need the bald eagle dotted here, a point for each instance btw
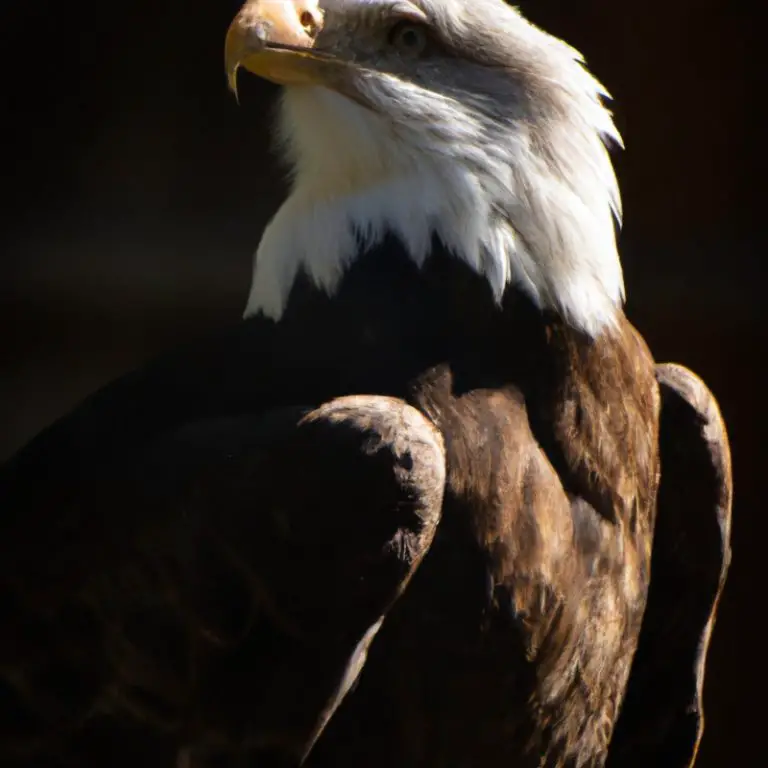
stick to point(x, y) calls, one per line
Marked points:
point(432, 502)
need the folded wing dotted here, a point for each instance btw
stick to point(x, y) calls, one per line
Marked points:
point(662, 717)
point(217, 594)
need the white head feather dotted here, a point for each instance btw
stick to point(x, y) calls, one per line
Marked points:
point(495, 145)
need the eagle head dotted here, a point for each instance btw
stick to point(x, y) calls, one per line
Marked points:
point(455, 119)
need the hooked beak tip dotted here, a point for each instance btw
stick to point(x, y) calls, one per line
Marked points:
point(232, 81)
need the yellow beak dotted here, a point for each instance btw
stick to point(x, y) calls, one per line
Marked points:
point(274, 39)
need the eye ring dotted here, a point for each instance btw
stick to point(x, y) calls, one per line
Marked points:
point(408, 37)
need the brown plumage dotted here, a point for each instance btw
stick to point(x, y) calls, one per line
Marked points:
point(412, 520)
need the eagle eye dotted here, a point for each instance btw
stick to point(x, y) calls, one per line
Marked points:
point(309, 23)
point(408, 37)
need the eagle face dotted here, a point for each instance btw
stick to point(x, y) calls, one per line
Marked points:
point(435, 118)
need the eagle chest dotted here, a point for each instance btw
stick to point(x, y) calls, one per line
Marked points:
point(540, 566)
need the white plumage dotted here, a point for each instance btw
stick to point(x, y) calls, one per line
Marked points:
point(495, 144)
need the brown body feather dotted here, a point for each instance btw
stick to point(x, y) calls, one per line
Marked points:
point(200, 573)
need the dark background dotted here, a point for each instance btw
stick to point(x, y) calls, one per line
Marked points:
point(138, 191)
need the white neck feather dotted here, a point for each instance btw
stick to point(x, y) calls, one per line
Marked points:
point(359, 175)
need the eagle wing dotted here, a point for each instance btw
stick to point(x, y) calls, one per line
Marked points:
point(217, 595)
point(662, 721)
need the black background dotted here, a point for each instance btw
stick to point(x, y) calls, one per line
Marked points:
point(136, 191)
